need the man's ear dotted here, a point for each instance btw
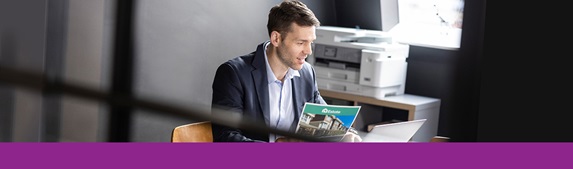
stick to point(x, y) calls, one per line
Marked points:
point(275, 38)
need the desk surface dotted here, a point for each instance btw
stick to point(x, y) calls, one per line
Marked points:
point(404, 101)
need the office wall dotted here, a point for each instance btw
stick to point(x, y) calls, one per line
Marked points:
point(22, 46)
point(85, 63)
point(36, 36)
point(432, 73)
point(179, 44)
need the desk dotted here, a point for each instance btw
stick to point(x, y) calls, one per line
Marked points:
point(417, 107)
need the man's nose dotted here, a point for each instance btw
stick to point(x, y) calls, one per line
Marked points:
point(308, 49)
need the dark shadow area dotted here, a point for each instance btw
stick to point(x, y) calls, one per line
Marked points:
point(6, 90)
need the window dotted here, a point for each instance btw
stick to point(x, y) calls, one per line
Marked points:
point(434, 23)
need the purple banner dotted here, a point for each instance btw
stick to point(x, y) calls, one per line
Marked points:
point(286, 155)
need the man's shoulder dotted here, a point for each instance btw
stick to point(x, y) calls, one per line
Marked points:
point(306, 68)
point(241, 60)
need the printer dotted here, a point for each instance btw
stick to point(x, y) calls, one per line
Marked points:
point(357, 61)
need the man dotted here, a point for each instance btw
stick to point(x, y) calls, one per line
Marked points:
point(271, 84)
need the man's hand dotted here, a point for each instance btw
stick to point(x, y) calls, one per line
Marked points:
point(351, 137)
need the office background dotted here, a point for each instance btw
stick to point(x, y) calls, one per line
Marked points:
point(177, 46)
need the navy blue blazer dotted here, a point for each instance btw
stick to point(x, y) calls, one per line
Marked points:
point(240, 85)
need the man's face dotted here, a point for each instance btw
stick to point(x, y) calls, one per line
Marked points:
point(296, 46)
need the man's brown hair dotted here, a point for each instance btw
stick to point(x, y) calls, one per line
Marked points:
point(282, 15)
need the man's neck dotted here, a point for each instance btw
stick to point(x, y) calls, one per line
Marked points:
point(278, 69)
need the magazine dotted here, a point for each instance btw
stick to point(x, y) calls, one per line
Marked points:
point(328, 122)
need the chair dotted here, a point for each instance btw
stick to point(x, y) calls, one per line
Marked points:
point(436, 139)
point(193, 132)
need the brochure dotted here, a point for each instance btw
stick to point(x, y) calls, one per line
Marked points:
point(329, 122)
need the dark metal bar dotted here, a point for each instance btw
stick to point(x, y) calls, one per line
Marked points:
point(468, 72)
point(7, 112)
point(122, 76)
point(8, 53)
point(53, 66)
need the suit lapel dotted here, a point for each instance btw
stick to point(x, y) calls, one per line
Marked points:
point(297, 102)
point(259, 75)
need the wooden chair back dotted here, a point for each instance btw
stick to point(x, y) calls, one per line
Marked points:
point(193, 132)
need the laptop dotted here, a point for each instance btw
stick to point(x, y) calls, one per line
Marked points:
point(393, 132)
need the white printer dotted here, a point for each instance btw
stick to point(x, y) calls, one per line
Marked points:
point(362, 62)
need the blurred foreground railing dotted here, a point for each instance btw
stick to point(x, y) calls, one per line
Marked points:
point(40, 83)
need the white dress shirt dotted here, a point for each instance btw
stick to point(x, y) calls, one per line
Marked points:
point(280, 99)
